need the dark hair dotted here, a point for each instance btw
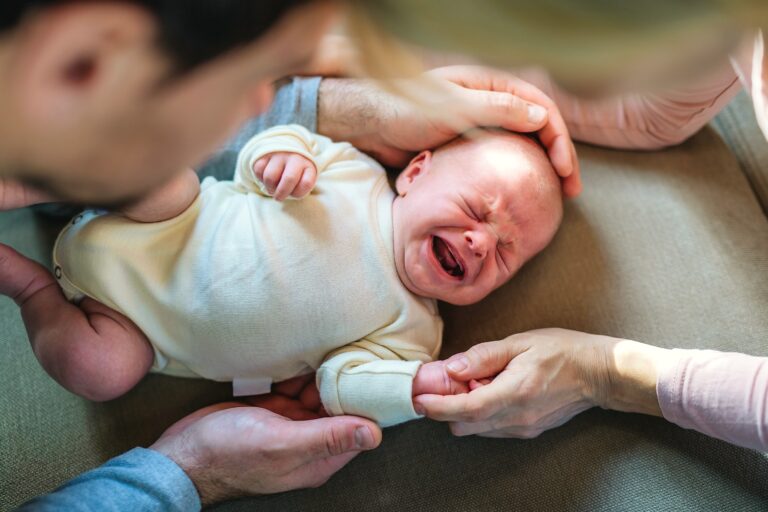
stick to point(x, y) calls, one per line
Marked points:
point(189, 31)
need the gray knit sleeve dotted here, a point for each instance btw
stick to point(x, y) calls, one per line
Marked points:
point(295, 103)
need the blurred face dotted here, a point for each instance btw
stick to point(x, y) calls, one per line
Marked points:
point(121, 124)
point(469, 215)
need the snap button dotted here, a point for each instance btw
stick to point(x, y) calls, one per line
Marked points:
point(57, 272)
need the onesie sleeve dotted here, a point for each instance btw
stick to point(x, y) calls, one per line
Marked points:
point(372, 379)
point(319, 150)
point(283, 139)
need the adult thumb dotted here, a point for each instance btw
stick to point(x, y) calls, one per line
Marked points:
point(484, 360)
point(328, 437)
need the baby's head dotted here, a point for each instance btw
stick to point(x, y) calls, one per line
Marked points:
point(469, 214)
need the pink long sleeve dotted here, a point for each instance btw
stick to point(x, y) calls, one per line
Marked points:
point(642, 121)
point(723, 395)
point(666, 117)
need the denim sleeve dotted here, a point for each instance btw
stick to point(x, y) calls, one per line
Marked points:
point(295, 103)
point(137, 481)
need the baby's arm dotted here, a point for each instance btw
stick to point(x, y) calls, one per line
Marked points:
point(379, 380)
point(90, 349)
point(288, 160)
point(166, 201)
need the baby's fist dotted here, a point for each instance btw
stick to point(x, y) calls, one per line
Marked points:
point(433, 379)
point(285, 174)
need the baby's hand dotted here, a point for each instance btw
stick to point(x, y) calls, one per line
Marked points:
point(285, 174)
point(433, 379)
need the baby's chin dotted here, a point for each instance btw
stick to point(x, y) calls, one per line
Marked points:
point(459, 300)
point(461, 297)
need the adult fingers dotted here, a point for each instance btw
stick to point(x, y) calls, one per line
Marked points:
point(572, 185)
point(329, 437)
point(284, 406)
point(310, 397)
point(475, 383)
point(562, 154)
point(529, 106)
point(509, 111)
point(292, 387)
point(484, 360)
point(476, 406)
point(502, 109)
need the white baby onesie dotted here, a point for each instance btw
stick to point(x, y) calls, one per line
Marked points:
point(240, 286)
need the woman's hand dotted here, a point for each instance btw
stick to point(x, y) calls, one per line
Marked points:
point(541, 379)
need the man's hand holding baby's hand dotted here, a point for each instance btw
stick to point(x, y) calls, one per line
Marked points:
point(286, 174)
point(433, 379)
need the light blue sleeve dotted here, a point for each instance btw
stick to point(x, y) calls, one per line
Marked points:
point(140, 480)
point(295, 103)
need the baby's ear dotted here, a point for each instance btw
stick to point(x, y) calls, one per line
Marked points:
point(419, 166)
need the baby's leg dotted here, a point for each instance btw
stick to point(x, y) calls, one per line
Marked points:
point(91, 350)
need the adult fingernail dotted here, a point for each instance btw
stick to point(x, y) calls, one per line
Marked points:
point(458, 365)
point(363, 438)
point(419, 409)
point(536, 114)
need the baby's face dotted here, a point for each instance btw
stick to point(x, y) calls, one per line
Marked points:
point(471, 213)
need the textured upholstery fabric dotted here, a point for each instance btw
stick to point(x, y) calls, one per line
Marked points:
point(670, 248)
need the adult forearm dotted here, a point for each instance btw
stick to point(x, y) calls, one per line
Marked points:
point(140, 480)
point(643, 120)
point(347, 108)
point(723, 395)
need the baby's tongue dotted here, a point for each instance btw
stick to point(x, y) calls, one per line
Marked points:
point(444, 254)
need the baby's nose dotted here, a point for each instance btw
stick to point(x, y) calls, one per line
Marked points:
point(478, 242)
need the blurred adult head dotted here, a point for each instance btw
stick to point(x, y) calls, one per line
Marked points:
point(589, 46)
point(101, 100)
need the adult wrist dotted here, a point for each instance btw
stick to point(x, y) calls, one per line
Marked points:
point(208, 490)
point(633, 371)
point(347, 110)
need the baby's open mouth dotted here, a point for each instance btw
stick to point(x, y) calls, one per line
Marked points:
point(446, 258)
